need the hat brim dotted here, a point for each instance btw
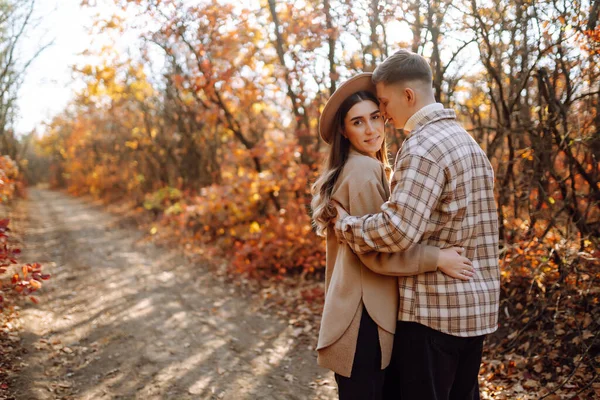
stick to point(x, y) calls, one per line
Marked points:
point(358, 83)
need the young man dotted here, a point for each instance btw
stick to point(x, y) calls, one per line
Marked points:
point(442, 195)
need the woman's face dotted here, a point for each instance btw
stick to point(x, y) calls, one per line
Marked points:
point(364, 127)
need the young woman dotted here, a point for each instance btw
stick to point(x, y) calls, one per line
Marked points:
point(361, 291)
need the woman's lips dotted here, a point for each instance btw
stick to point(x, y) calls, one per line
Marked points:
point(372, 140)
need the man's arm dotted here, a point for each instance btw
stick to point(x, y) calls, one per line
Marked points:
point(367, 198)
point(402, 220)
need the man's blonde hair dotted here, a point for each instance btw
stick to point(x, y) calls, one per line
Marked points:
point(403, 66)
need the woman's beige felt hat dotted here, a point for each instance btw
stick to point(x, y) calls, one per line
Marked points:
point(355, 84)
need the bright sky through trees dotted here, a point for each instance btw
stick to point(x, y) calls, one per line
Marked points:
point(48, 85)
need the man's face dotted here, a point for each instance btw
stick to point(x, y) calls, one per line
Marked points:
point(395, 104)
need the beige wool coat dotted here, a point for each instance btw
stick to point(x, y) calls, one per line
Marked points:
point(353, 280)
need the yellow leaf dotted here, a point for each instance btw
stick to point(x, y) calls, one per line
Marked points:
point(258, 107)
point(254, 227)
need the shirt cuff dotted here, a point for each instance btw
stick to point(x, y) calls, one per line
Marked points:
point(340, 227)
point(344, 229)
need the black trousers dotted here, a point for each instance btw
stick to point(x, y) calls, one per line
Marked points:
point(431, 365)
point(366, 379)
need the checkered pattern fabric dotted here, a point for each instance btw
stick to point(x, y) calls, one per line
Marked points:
point(442, 195)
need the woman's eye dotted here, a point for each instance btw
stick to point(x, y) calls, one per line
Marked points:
point(357, 122)
point(376, 116)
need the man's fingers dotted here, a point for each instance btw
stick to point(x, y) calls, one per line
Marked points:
point(459, 250)
point(338, 207)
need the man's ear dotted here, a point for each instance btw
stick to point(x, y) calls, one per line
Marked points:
point(410, 96)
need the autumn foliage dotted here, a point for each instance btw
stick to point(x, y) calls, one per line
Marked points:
point(10, 184)
point(23, 280)
point(15, 279)
point(212, 128)
point(230, 124)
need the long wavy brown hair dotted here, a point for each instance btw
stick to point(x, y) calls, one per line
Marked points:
point(322, 210)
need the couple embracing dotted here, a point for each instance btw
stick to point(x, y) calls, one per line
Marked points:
point(412, 278)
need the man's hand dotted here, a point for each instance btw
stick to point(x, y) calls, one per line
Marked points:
point(341, 213)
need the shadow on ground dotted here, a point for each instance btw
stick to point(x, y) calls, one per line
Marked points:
point(123, 319)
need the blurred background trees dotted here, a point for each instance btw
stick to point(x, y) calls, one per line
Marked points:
point(211, 126)
point(16, 20)
point(231, 118)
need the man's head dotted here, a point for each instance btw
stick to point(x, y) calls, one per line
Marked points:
point(404, 86)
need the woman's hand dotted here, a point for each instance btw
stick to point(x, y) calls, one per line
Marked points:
point(452, 263)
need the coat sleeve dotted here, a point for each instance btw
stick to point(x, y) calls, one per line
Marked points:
point(417, 259)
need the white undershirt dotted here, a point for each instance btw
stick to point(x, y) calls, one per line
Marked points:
point(418, 116)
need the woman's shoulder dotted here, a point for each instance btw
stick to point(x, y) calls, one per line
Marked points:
point(360, 169)
point(362, 164)
point(361, 174)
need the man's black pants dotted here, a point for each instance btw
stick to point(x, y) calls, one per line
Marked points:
point(366, 379)
point(431, 365)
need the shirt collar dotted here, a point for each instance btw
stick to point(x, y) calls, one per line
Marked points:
point(419, 115)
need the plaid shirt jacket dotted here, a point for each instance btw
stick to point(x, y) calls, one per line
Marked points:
point(442, 195)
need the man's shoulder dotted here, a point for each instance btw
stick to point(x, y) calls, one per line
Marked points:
point(449, 146)
point(437, 139)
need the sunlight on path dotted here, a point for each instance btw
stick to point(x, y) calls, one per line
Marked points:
point(122, 319)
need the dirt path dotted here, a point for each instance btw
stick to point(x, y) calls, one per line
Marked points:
point(122, 319)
